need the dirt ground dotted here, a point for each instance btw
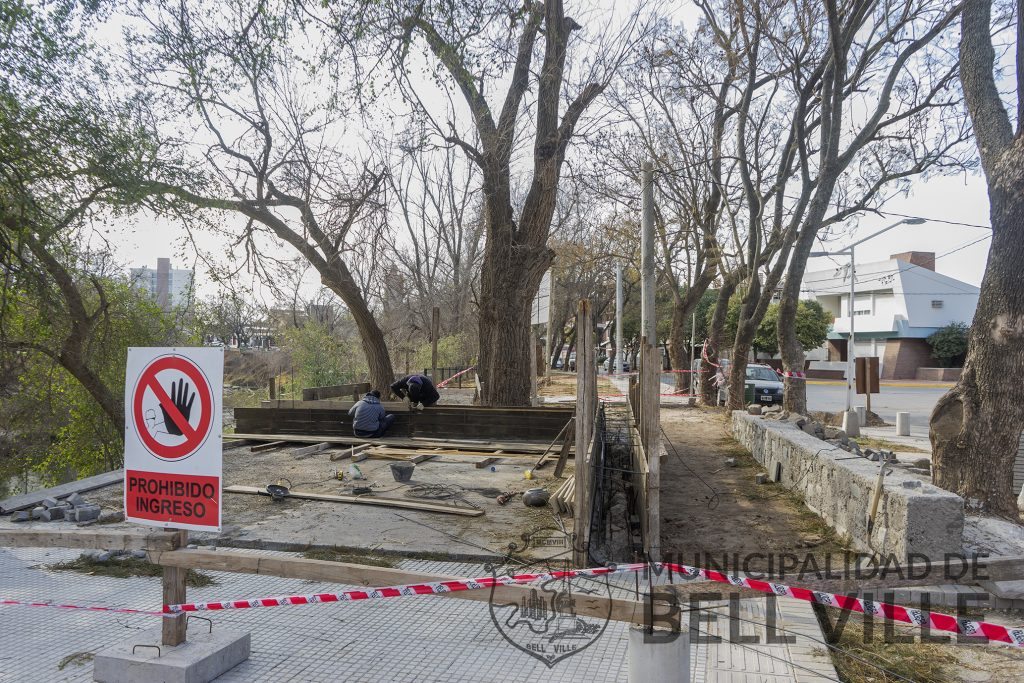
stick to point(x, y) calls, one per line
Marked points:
point(710, 510)
point(558, 383)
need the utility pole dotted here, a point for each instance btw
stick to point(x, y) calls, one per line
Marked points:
point(435, 329)
point(851, 351)
point(618, 318)
point(548, 341)
point(649, 324)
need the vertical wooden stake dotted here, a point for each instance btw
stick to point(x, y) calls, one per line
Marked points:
point(174, 593)
point(273, 388)
point(435, 330)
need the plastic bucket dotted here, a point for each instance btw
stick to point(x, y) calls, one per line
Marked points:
point(402, 471)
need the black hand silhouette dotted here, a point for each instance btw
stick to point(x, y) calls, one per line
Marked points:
point(178, 395)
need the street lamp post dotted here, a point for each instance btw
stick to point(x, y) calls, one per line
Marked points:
point(851, 352)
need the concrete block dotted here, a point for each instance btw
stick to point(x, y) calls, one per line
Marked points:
point(730, 462)
point(37, 512)
point(21, 516)
point(902, 424)
point(53, 514)
point(851, 423)
point(862, 415)
point(923, 519)
point(761, 478)
point(200, 659)
point(75, 499)
point(87, 513)
point(911, 484)
point(753, 409)
point(50, 502)
point(659, 656)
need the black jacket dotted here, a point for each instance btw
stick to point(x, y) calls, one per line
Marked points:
point(418, 388)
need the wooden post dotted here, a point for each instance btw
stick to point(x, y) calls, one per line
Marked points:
point(650, 430)
point(273, 388)
point(174, 593)
point(533, 368)
point(435, 329)
point(586, 405)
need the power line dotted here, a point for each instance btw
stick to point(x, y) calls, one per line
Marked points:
point(676, 172)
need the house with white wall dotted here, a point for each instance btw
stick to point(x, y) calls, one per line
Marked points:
point(897, 304)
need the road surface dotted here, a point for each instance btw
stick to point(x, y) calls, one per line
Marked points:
point(918, 401)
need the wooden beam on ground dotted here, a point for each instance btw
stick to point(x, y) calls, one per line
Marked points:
point(321, 571)
point(486, 462)
point(455, 444)
point(350, 452)
point(423, 457)
point(310, 450)
point(34, 537)
point(34, 498)
point(259, 448)
point(422, 506)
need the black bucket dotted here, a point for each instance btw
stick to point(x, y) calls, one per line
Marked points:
point(402, 471)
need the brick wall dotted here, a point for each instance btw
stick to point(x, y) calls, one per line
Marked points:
point(904, 356)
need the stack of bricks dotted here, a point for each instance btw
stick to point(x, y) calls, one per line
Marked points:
point(74, 508)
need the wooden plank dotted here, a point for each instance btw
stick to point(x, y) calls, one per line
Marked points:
point(364, 500)
point(562, 434)
point(486, 462)
point(321, 571)
point(259, 448)
point(34, 537)
point(349, 453)
point(386, 450)
point(34, 498)
point(511, 446)
point(417, 459)
point(310, 450)
point(563, 456)
point(586, 407)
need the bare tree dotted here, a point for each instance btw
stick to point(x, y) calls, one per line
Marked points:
point(524, 48)
point(975, 428)
point(276, 154)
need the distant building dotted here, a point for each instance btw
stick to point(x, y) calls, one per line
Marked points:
point(897, 304)
point(169, 287)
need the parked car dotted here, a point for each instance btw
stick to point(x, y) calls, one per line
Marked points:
point(768, 386)
point(572, 362)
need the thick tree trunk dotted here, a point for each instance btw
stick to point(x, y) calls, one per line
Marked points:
point(795, 388)
point(709, 392)
point(509, 280)
point(340, 281)
point(975, 428)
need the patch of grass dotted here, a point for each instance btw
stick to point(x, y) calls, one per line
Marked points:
point(77, 658)
point(882, 444)
point(877, 661)
point(124, 568)
point(338, 555)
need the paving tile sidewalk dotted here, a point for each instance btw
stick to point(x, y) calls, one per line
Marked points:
point(403, 639)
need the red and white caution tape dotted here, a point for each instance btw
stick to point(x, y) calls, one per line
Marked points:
point(410, 589)
point(794, 375)
point(119, 610)
point(441, 385)
point(907, 615)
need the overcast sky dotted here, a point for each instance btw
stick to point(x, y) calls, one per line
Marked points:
point(961, 250)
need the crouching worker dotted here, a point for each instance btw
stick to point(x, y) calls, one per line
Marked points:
point(418, 388)
point(370, 421)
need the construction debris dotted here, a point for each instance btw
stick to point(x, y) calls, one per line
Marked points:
point(74, 509)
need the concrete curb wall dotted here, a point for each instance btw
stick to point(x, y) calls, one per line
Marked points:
point(838, 485)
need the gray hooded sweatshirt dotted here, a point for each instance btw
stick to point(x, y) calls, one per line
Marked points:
point(368, 413)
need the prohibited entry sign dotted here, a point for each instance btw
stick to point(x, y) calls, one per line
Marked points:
point(173, 437)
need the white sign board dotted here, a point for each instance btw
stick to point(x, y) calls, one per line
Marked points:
point(172, 437)
point(542, 302)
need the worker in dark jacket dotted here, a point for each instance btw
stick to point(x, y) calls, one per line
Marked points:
point(418, 388)
point(370, 420)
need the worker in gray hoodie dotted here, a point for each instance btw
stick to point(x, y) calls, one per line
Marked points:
point(370, 420)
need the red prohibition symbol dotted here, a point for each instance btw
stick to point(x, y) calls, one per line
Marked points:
point(194, 436)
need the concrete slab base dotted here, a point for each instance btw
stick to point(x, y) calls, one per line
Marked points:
point(659, 656)
point(200, 659)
